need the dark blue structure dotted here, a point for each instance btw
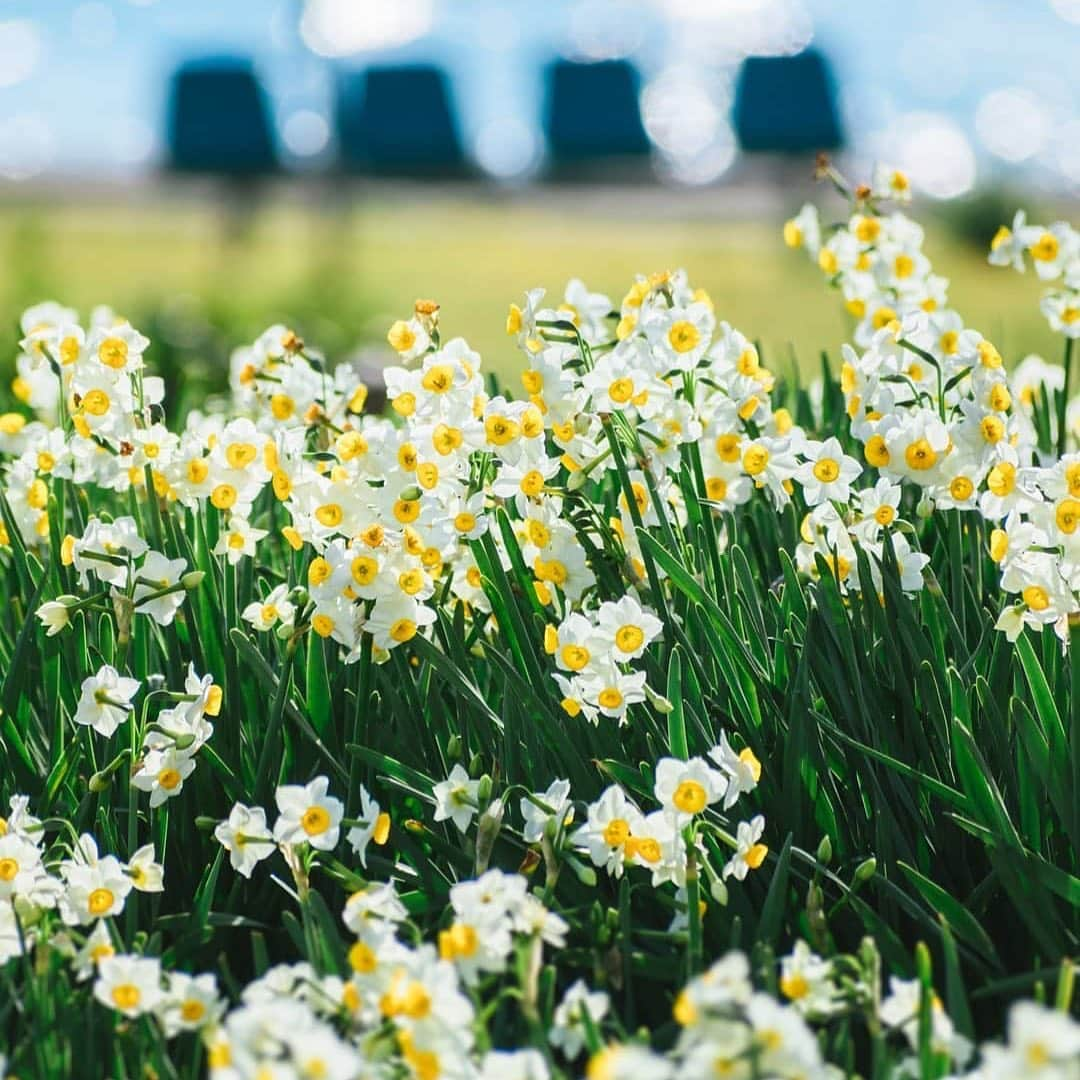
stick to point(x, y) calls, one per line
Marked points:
point(219, 120)
point(787, 104)
point(399, 121)
point(592, 111)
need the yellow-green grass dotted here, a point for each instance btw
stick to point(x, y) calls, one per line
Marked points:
point(343, 268)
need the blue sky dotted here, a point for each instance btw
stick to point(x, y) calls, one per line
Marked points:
point(956, 89)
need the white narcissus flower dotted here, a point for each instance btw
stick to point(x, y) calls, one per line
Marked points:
point(163, 774)
point(308, 815)
point(828, 472)
point(117, 347)
point(375, 826)
point(273, 610)
point(129, 984)
point(191, 1002)
point(408, 339)
point(245, 837)
point(1011, 621)
point(97, 947)
point(514, 1065)
point(556, 799)
point(105, 700)
point(156, 575)
point(95, 890)
point(743, 769)
point(55, 615)
point(146, 874)
point(1042, 1041)
point(238, 540)
point(568, 1031)
point(806, 980)
point(19, 864)
point(749, 851)
point(456, 798)
point(628, 626)
point(114, 543)
point(685, 788)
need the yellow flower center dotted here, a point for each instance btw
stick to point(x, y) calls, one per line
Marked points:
point(610, 697)
point(621, 390)
point(362, 958)
point(438, 379)
point(330, 515)
point(96, 402)
point(100, 901)
point(459, 941)
point(112, 352)
point(616, 832)
point(192, 1011)
point(690, 797)
point(716, 488)
point(223, 496)
point(961, 488)
point(756, 855)
point(920, 455)
point(1036, 598)
point(240, 455)
point(684, 336)
point(992, 429)
point(126, 996)
point(826, 469)
point(755, 459)
point(315, 821)
point(876, 452)
point(1002, 479)
point(629, 638)
point(575, 657)
point(401, 337)
point(1067, 515)
point(1045, 249)
point(168, 779)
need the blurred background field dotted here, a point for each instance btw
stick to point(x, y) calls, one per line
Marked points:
point(202, 280)
point(208, 169)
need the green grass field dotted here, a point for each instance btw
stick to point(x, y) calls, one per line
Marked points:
point(342, 271)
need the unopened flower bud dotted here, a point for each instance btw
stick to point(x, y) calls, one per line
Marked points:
point(577, 480)
point(585, 874)
point(483, 790)
point(192, 579)
point(865, 870)
point(657, 701)
point(100, 781)
point(824, 851)
point(924, 964)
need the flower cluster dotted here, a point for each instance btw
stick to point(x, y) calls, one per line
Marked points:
point(63, 890)
point(1054, 252)
point(936, 412)
point(168, 744)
